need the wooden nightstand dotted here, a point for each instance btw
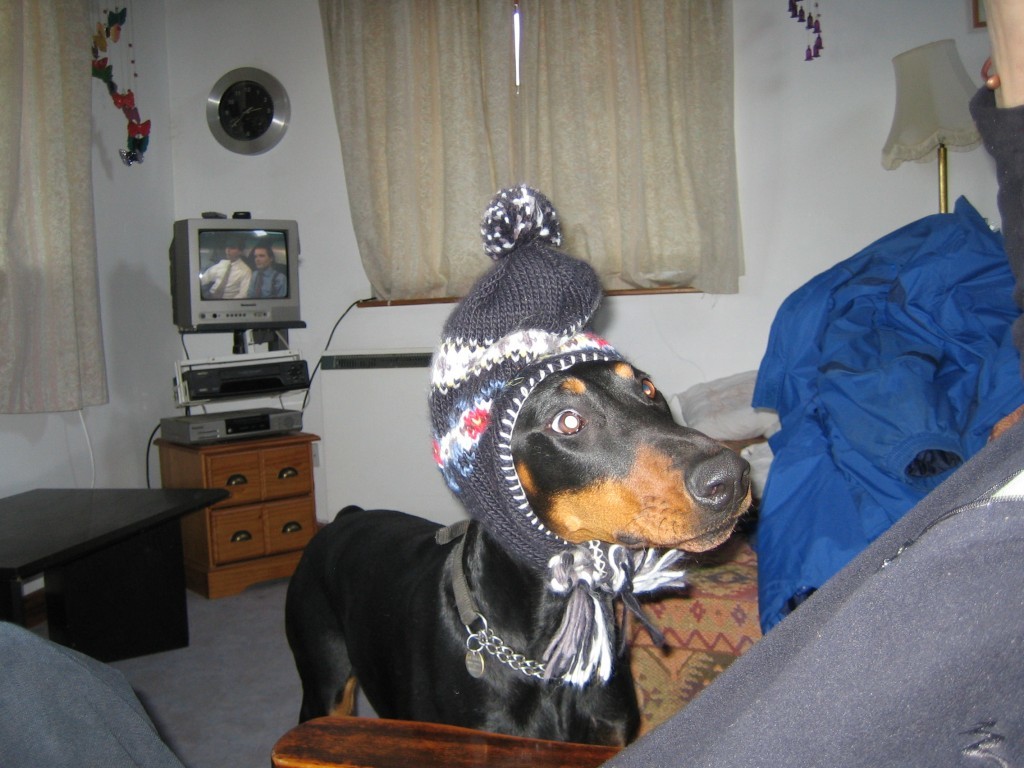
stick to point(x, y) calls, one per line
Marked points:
point(256, 534)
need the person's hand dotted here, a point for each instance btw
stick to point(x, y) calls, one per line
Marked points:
point(1005, 20)
point(1006, 422)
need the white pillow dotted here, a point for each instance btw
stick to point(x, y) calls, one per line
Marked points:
point(721, 409)
point(759, 456)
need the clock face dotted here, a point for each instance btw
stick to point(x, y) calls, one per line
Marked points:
point(246, 110)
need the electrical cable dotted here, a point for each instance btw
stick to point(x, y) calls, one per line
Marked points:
point(312, 376)
point(88, 443)
point(149, 444)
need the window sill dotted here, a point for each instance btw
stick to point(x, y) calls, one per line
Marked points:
point(368, 303)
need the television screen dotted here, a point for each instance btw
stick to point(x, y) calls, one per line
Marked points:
point(243, 264)
point(235, 274)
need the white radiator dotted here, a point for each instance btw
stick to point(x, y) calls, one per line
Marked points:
point(377, 443)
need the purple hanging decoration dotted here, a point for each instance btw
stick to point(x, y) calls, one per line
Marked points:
point(815, 28)
point(812, 22)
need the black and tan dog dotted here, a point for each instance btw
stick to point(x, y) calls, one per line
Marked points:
point(599, 458)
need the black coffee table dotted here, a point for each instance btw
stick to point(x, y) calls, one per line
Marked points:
point(112, 565)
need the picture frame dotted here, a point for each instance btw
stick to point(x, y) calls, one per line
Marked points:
point(978, 18)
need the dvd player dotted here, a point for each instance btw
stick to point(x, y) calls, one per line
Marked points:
point(230, 425)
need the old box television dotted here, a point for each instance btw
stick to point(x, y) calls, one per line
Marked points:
point(235, 274)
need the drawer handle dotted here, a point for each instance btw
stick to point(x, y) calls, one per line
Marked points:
point(287, 472)
point(237, 480)
point(291, 527)
point(239, 536)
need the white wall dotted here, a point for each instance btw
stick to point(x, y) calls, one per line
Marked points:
point(813, 191)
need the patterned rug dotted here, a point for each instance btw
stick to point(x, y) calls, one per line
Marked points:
point(706, 628)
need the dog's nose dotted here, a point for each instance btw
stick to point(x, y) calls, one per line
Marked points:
point(720, 480)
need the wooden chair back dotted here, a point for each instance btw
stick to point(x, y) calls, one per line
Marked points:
point(363, 742)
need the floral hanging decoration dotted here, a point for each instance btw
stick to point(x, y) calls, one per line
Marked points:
point(138, 130)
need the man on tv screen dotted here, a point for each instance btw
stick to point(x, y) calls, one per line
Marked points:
point(229, 278)
point(268, 281)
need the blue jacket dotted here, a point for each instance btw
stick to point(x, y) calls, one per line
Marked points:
point(887, 371)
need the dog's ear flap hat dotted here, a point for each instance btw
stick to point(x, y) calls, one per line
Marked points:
point(525, 318)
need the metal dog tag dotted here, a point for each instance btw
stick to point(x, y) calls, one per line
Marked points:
point(475, 663)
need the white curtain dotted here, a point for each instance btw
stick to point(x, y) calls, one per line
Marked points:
point(51, 350)
point(624, 118)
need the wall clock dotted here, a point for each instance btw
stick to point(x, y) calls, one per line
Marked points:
point(248, 111)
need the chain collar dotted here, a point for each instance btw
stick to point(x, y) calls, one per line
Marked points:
point(483, 640)
point(581, 576)
point(486, 641)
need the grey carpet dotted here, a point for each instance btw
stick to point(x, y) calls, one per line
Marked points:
point(224, 701)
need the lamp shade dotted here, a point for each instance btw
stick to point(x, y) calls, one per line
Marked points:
point(932, 94)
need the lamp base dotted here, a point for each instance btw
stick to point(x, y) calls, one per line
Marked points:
point(943, 181)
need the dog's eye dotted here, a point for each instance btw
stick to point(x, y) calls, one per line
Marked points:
point(649, 389)
point(568, 422)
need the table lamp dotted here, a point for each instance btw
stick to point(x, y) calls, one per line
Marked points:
point(932, 94)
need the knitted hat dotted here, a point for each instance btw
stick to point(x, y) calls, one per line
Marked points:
point(525, 318)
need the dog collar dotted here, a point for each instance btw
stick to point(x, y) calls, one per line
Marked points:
point(483, 639)
point(581, 647)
